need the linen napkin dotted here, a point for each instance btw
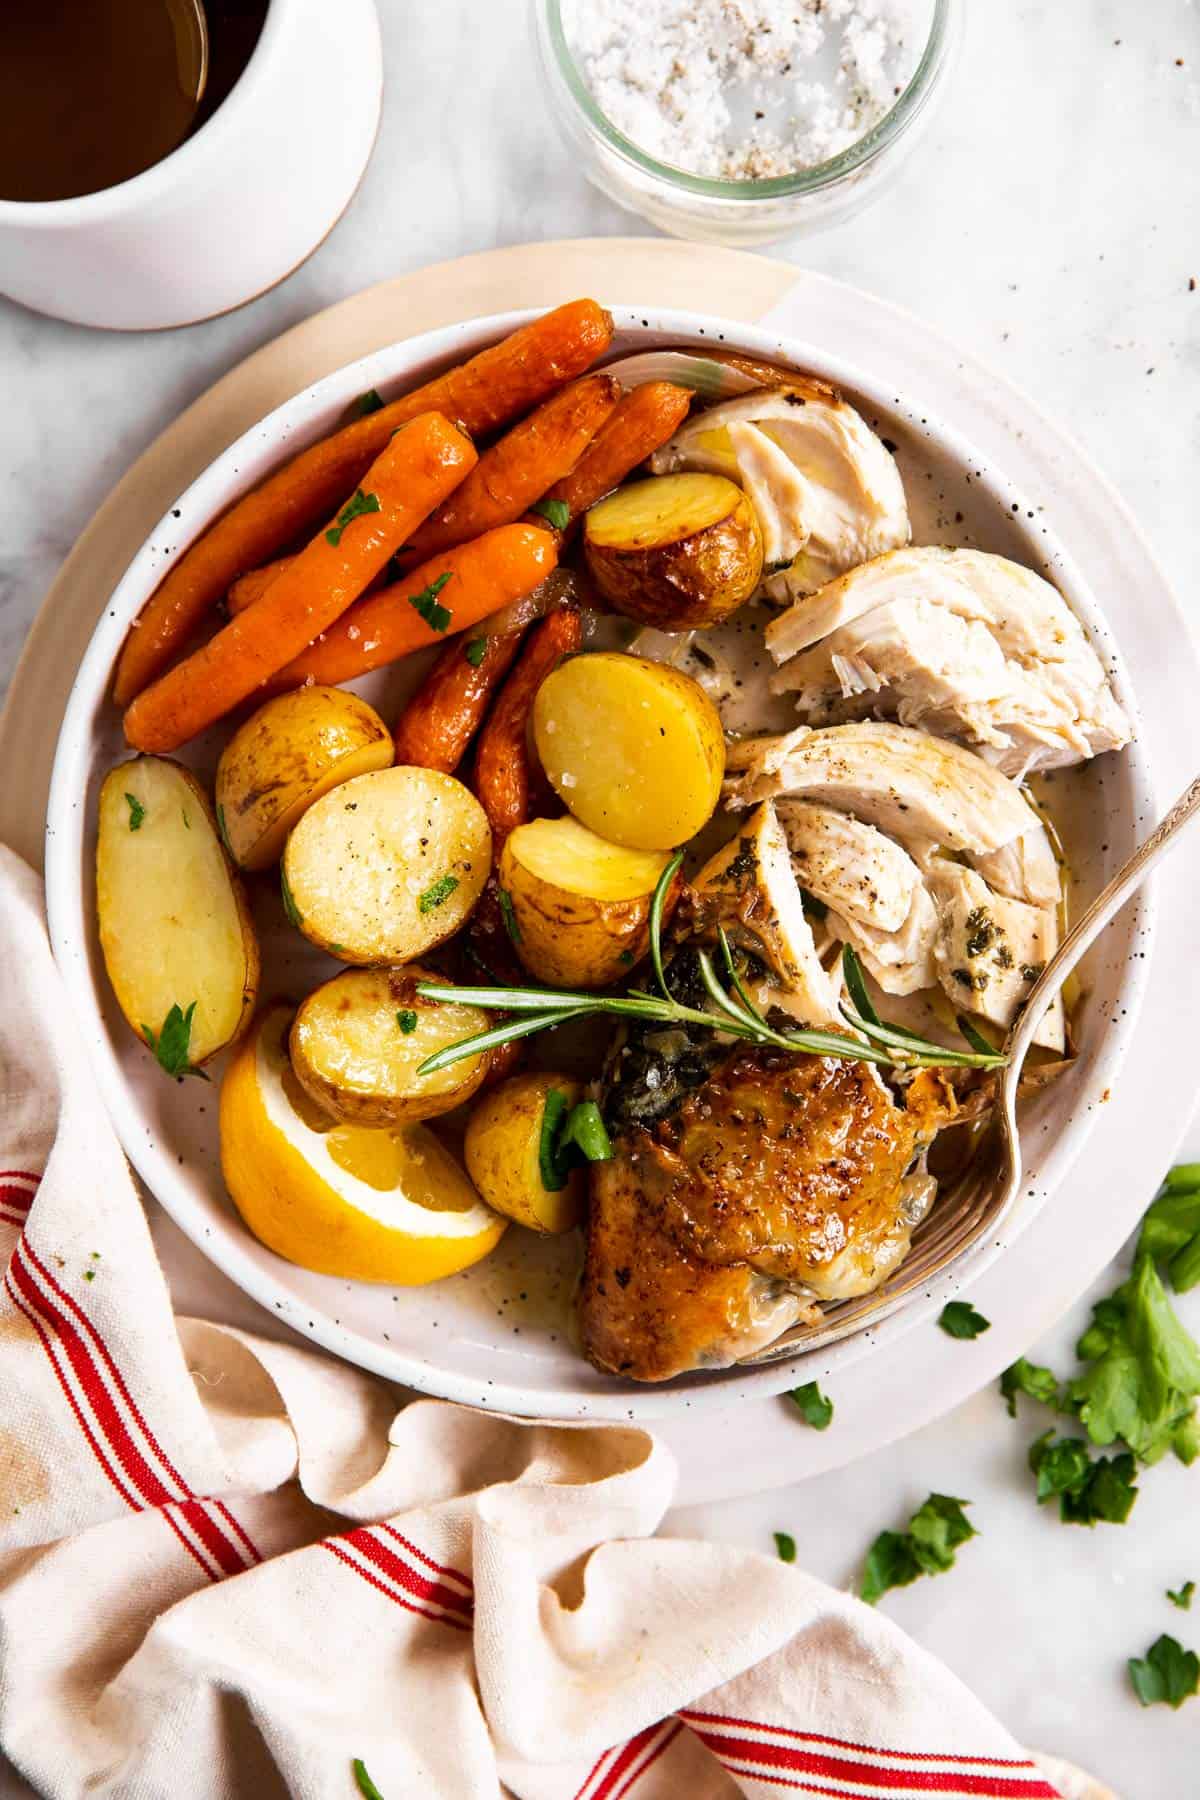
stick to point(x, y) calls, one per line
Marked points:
point(230, 1567)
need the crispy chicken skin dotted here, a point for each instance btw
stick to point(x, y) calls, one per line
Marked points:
point(779, 1180)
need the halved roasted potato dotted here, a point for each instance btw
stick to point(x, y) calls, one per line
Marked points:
point(633, 749)
point(579, 905)
point(293, 750)
point(357, 1042)
point(174, 926)
point(503, 1149)
point(387, 865)
point(676, 551)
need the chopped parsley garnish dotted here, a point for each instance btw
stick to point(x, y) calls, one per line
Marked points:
point(406, 1019)
point(898, 1558)
point(1171, 1229)
point(508, 913)
point(812, 1405)
point(366, 1786)
point(289, 900)
point(171, 1044)
point(370, 402)
point(1144, 1377)
point(137, 812)
point(555, 512)
point(1087, 1492)
point(358, 504)
point(785, 1544)
point(1182, 1597)
point(222, 829)
point(958, 1319)
point(1032, 1379)
point(475, 651)
point(1168, 1674)
point(626, 957)
point(436, 616)
point(437, 892)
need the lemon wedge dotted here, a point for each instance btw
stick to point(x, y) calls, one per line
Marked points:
point(366, 1203)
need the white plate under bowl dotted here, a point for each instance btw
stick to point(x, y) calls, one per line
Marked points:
point(495, 1336)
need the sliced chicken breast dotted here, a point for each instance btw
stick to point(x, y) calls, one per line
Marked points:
point(849, 866)
point(901, 961)
point(990, 950)
point(827, 493)
point(960, 643)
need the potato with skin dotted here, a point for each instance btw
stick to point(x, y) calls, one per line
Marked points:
point(388, 865)
point(633, 749)
point(293, 750)
point(502, 1153)
point(580, 907)
point(676, 551)
point(357, 1042)
point(174, 925)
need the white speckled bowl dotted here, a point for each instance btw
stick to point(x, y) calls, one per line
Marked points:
point(495, 1336)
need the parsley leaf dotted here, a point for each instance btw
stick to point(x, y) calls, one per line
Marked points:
point(171, 1044)
point(935, 1532)
point(475, 651)
point(814, 1408)
point(370, 402)
point(1033, 1379)
point(1168, 1674)
point(289, 900)
point(358, 504)
point(556, 513)
point(1182, 1597)
point(137, 812)
point(960, 1320)
point(508, 913)
point(1171, 1222)
point(406, 1019)
point(1145, 1371)
point(426, 603)
point(437, 892)
point(785, 1544)
point(1087, 1491)
point(366, 1786)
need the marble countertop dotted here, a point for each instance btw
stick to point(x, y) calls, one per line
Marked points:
point(1048, 223)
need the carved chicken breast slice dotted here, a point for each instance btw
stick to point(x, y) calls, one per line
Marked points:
point(990, 950)
point(827, 493)
point(749, 888)
point(960, 643)
point(849, 866)
point(901, 961)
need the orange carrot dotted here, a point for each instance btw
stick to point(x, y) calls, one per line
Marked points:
point(467, 583)
point(416, 471)
point(447, 709)
point(499, 384)
point(517, 471)
point(641, 424)
point(502, 773)
point(251, 586)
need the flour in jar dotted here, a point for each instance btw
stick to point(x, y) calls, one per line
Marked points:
point(745, 88)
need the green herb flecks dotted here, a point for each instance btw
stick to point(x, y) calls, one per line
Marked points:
point(553, 1166)
point(1167, 1675)
point(898, 1558)
point(436, 616)
point(171, 1044)
point(1031, 1379)
point(1171, 1228)
point(785, 1546)
point(1182, 1597)
point(137, 812)
point(958, 1319)
point(555, 512)
point(812, 1406)
point(475, 651)
point(1145, 1372)
point(357, 505)
point(436, 894)
point(509, 915)
point(406, 1019)
point(370, 402)
point(291, 910)
point(223, 830)
point(1088, 1492)
point(732, 1012)
point(366, 1786)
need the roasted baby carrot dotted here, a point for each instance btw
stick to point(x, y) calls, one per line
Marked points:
point(444, 595)
point(436, 727)
point(502, 770)
point(641, 424)
point(251, 586)
point(499, 384)
point(416, 471)
point(517, 470)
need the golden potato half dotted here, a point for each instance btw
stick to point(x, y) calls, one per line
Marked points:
point(580, 905)
point(502, 1151)
point(293, 750)
point(676, 551)
point(174, 926)
point(633, 749)
point(386, 866)
point(357, 1042)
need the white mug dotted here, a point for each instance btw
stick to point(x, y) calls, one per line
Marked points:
point(236, 207)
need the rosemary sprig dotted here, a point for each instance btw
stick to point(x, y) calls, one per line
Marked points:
point(735, 1012)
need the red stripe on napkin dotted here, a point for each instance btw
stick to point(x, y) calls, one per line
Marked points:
point(764, 1758)
point(693, 1717)
point(434, 1593)
point(334, 1546)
